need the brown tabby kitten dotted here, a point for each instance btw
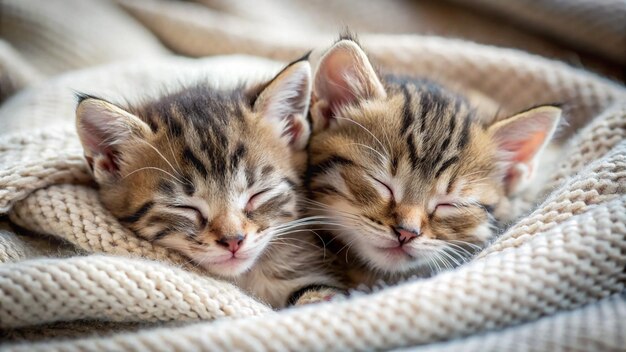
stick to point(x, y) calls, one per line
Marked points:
point(411, 177)
point(214, 175)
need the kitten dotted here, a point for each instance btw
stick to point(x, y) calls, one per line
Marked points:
point(215, 175)
point(412, 177)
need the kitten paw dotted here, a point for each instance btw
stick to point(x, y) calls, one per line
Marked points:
point(318, 295)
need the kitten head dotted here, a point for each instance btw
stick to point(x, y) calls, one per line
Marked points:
point(406, 170)
point(212, 174)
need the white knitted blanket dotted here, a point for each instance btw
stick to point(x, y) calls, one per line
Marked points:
point(569, 251)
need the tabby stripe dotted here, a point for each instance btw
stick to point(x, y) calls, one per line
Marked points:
point(412, 151)
point(154, 126)
point(267, 170)
point(218, 164)
point(445, 144)
point(250, 177)
point(289, 182)
point(465, 133)
point(166, 187)
point(174, 126)
point(189, 156)
point(160, 235)
point(394, 166)
point(278, 201)
point(446, 165)
point(188, 186)
point(274, 204)
point(452, 123)
point(425, 106)
point(329, 163)
point(139, 213)
point(407, 116)
point(330, 190)
point(238, 154)
point(220, 137)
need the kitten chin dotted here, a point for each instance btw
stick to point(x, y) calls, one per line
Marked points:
point(413, 177)
point(215, 175)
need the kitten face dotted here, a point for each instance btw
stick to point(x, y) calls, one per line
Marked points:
point(208, 173)
point(409, 175)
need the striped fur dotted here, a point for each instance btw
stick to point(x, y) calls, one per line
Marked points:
point(201, 167)
point(412, 177)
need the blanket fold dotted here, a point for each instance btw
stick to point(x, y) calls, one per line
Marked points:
point(114, 289)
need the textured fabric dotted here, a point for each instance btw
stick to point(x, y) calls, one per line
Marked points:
point(114, 289)
point(597, 26)
point(210, 27)
point(597, 327)
point(57, 35)
point(537, 286)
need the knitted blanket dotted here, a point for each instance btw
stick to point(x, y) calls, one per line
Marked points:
point(554, 280)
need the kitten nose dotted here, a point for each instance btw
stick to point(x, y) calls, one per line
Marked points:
point(405, 235)
point(231, 243)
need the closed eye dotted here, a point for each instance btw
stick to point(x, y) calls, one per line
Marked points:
point(452, 208)
point(446, 209)
point(197, 213)
point(254, 200)
point(384, 188)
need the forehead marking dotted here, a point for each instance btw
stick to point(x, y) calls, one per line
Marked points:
point(190, 157)
point(412, 150)
point(446, 165)
point(407, 113)
point(329, 163)
point(465, 132)
point(238, 154)
point(250, 178)
point(136, 216)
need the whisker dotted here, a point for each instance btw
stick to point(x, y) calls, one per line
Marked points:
point(169, 144)
point(475, 246)
point(444, 252)
point(160, 154)
point(153, 168)
point(382, 157)
point(365, 129)
point(468, 253)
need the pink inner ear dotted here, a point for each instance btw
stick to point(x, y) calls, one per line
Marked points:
point(103, 155)
point(109, 163)
point(335, 89)
point(524, 150)
point(95, 140)
point(336, 70)
point(293, 130)
point(332, 82)
point(528, 151)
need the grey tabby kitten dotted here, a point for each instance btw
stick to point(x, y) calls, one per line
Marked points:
point(215, 175)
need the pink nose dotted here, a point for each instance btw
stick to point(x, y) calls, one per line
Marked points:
point(231, 243)
point(405, 235)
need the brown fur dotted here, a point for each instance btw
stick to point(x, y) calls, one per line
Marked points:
point(429, 145)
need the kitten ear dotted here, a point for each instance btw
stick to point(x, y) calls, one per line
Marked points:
point(285, 103)
point(104, 130)
point(520, 139)
point(344, 76)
